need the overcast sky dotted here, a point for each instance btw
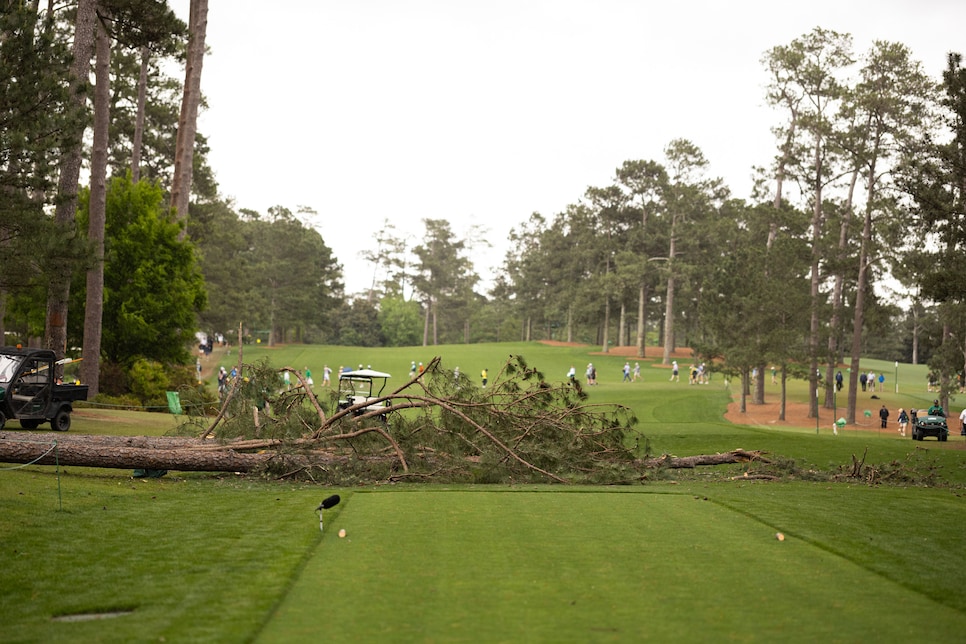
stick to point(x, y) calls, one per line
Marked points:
point(483, 112)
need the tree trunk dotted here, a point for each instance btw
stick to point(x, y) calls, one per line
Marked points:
point(837, 298)
point(641, 321)
point(622, 330)
point(138, 139)
point(94, 305)
point(194, 455)
point(669, 319)
point(426, 324)
point(605, 339)
point(758, 397)
point(58, 291)
point(190, 101)
point(83, 452)
point(815, 279)
point(435, 324)
point(858, 320)
point(677, 462)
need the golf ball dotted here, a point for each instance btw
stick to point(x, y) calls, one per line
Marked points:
point(342, 533)
point(778, 535)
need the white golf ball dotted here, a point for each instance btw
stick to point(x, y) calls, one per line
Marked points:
point(779, 536)
point(342, 533)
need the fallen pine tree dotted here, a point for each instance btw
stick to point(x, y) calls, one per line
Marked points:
point(521, 428)
point(201, 455)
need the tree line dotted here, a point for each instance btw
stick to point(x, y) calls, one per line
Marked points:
point(863, 187)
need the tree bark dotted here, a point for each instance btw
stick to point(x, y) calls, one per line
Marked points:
point(191, 100)
point(198, 455)
point(58, 291)
point(676, 462)
point(641, 321)
point(138, 139)
point(148, 453)
point(97, 212)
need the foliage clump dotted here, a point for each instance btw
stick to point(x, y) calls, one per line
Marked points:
point(437, 426)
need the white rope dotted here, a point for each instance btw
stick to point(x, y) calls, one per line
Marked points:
point(53, 446)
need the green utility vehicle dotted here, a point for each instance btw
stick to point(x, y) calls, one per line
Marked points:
point(929, 425)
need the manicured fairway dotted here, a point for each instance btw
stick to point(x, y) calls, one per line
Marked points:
point(495, 565)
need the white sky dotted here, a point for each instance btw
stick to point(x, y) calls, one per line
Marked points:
point(482, 112)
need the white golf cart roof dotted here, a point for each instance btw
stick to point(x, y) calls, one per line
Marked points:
point(362, 374)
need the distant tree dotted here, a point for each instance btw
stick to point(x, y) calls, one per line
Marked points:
point(225, 244)
point(688, 202)
point(935, 178)
point(191, 101)
point(390, 263)
point(289, 272)
point(144, 30)
point(887, 107)
point(525, 269)
point(644, 184)
point(36, 127)
point(442, 270)
point(356, 324)
point(399, 321)
point(805, 78)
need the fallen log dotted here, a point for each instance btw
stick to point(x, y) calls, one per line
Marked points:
point(690, 462)
point(207, 455)
point(80, 452)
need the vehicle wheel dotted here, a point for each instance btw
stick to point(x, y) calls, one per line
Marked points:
point(61, 422)
point(3, 420)
point(32, 423)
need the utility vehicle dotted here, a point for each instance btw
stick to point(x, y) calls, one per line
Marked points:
point(30, 391)
point(362, 385)
point(929, 425)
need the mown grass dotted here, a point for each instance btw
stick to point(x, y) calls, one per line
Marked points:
point(687, 556)
point(615, 565)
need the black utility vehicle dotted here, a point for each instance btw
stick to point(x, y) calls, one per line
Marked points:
point(29, 392)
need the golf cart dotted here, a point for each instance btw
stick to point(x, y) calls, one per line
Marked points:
point(360, 386)
point(929, 426)
point(29, 391)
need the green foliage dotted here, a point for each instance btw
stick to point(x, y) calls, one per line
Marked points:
point(149, 382)
point(444, 278)
point(399, 321)
point(519, 427)
point(272, 274)
point(35, 128)
point(355, 324)
point(153, 289)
